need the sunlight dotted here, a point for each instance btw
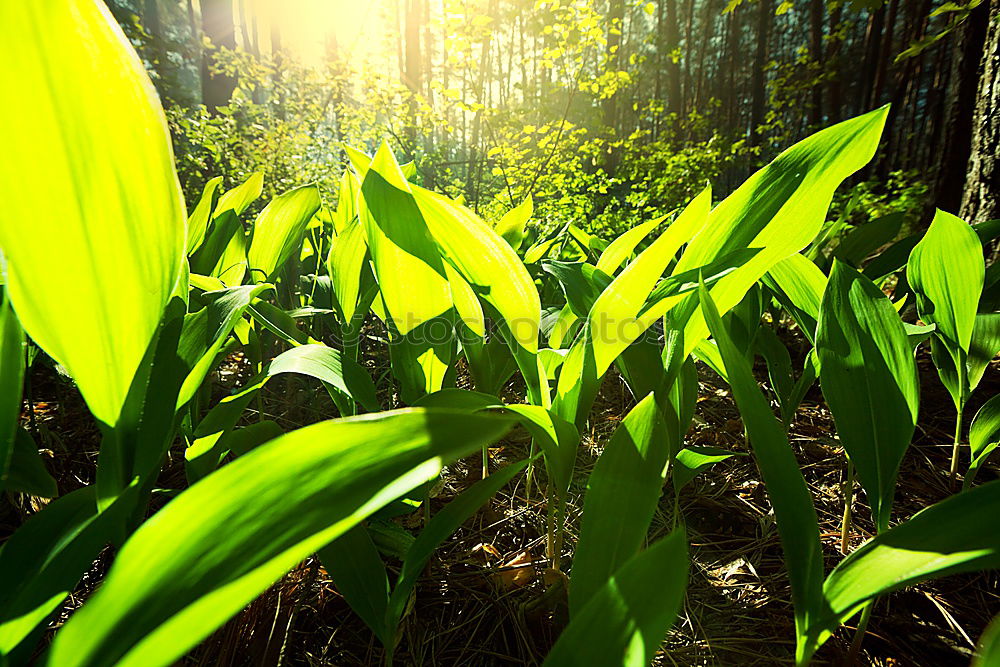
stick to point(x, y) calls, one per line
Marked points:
point(308, 26)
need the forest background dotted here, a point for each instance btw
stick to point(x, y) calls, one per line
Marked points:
point(605, 112)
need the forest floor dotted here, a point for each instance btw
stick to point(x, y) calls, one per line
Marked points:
point(486, 599)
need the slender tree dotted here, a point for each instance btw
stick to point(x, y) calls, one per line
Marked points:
point(982, 180)
point(217, 25)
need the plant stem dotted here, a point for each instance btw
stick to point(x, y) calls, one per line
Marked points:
point(847, 490)
point(529, 475)
point(550, 528)
point(859, 635)
point(954, 447)
point(560, 531)
point(486, 461)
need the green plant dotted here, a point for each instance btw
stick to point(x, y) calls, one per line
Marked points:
point(153, 306)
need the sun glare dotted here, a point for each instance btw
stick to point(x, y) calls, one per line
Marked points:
point(310, 28)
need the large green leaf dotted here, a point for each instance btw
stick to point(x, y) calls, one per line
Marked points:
point(984, 436)
point(240, 529)
point(798, 526)
point(345, 265)
point(278, 230)
point(11, 377)
point(42, 562)
point(622, 247)
point(511, 225)
point(407, 262)
point(413, 283)
point(617, 317)
point(958, 534)
point(984, 347)
point(622, 493)
point(345, 380)
point(869, 379)
point(779, 209)
point(798, 285)
point(495, 273)
point(200, 216)
point(946, 270)
point(865, 239)
point(91, 289)
point(239, 198)
point(628, 617)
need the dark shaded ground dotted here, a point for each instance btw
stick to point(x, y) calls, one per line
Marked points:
point(737, 609)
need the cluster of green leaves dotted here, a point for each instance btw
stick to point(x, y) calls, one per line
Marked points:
point(157, 302)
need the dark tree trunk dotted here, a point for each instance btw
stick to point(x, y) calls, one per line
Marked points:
point(765, 16)
point(217, 25)
point(982, 180)
point(952, 156)
point(835, 102)
point(671, 35)
point(616, 19)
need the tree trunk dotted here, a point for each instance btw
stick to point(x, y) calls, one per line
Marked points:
point(835, 97)
point(672, 37)
point(217, 25)
point(765, 15)
point(616, 21)
point(982, 180)
point(952, 156)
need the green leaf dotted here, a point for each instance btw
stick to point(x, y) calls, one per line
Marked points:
point(622, 493)
point(113, 214)
point(27, 472)
point(441, 526)
point(344, 379)
point(958, 534)
point(407, 262)
point(891, 259)
point(946, 271)
point(622, 247)
point(206, 330)
point(198, 220)
point(779, 370)
point(44, 559)
point(241, 528)
point(278, 230)
point(988, 648)
point(629, 615)
point(357, 571)
point(511, 225)
point(347, 211)
point(412, 279)
point(692, 461)
point(12, 358)
point(865, 239)
point(869, 379)
point(558, 439)
point(347, 260)
point(984, 347)
point(798, 285)
point(798, 526)
point(617, 318)
point(984, 436)
point(239, 198)
point(779, 209)
point(495, 273)
point(580, 282)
